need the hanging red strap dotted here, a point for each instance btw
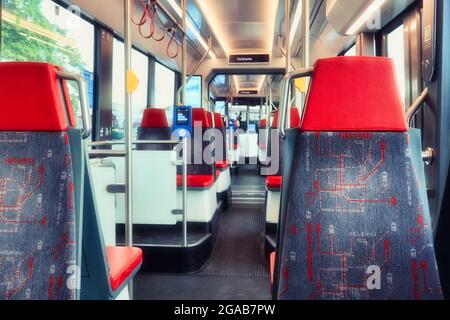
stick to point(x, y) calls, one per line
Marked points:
point(159, 23)
point(143, 18)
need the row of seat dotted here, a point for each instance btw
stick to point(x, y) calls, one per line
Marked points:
point(354, 221)
point(51, 245)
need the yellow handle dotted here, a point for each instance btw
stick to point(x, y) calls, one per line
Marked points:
point(132, 81)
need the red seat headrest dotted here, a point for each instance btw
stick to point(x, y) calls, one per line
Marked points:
point(263, 124)
point(210, 116)
point(218, 121)
point(295, 119)
point(154, 118)
point(275, 120)
point(32, 98)
point(199, 117)
point(354, 94)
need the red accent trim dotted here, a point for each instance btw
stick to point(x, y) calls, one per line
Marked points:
point(272, 266)
point(235, 146)
point(197, 180)
point(154, 118)
point(222, 165)
point(31, 98)
point(122, 261)
point(274, 182)
point(218, 121)
point(199, 116)
point(354, 94)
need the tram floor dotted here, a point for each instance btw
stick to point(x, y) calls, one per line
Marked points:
point(236, 270)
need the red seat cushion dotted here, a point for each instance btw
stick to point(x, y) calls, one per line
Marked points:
point(122, 261)
point(274, 182)
point(197, 180)
point(272, 266)
point(222, 165)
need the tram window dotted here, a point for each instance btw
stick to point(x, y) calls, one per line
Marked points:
point(41, 30)
point(164, 86)
point(194, 92)
point(220, 107)
point(139, 63)
point(396, 51)
point(351, 52)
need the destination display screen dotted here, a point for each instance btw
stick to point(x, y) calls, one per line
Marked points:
point(183, 116)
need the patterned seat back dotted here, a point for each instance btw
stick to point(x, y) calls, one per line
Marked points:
point(278, 151)
point(38, 248)
point(154, 126)
point(221, 155)
point(355, 224)
point(200, 163)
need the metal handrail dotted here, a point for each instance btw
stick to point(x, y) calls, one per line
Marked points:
point(120, 153)
point(107, 153)
point(284, 100)
point(82, 90)
point(416, 106)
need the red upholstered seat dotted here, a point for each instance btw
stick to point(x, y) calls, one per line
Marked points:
point(218, 121)
point(263, 124)
point(200, 118)
point(154, 118)
point(122, 261)
point(48, 108)
point(272, 266)
point(274, 182)
point(295, 119)
point(274, 124)
point(338, 107)
point(210, 117)
point(197, 180)
point(222, 165)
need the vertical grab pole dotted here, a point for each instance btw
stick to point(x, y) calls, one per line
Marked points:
point(128, 136)
point(306, 34)
point(183, 102)
point(185, 159)
point(184, 52)
point(287, 4)
point(288, 44)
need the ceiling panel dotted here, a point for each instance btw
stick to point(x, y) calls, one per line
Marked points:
point(242, 26)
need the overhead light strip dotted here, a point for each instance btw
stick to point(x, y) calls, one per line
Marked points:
point(296, 22)
point(191, 27)
point(370, 11)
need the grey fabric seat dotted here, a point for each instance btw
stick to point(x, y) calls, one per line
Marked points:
point(354, 221)
point(39, 251)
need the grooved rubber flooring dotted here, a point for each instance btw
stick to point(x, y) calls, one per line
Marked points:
point(239, 249)
point(236, 270)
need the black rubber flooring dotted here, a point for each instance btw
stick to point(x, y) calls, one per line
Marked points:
point(239, 250)
point(237, 269)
